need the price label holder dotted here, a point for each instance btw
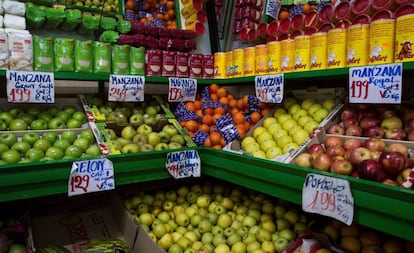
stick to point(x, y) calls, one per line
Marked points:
point(30, 87)
point(328, 196)
point(91, 176)
point(269, 88)
point(181, 89)
point(376, 84)
point(182, 164)
point(126, 88)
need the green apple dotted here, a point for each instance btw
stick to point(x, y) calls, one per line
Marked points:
point(3, 125)
point(73, 152)
point(21, 147)
point(311, 126)
point(88, 134)
point(130, 148)
point(140, 139)
point(283, 140)
point(34, 111)
point(52, 137)
point(278, 111)
point(149, 119)
point(34, 154)
point(170, 129)
point(153, 138)
point(151, 110)
point(16, 112)
point(73, 123)
point(280, 244)
point(71, 109)
point(147, 147)
point(82, 143)
point(267, 144)
point(304, 120)
point(164, 137)
point(56, 123)
point(52, 110)
point(258, 131)
point(246, 141)
point(38, 124)
point(8, 138)
point(65, 116)
point(62, 144)
point(289, 147)
point(273, 152)
point(178, 139)
point(136, 118)
point(283, 117)
point(93, 150)
point(288, 124)
point(263, 235)
point(117, 117)
point(11, 156)
point(54, 152)
point(128, 132)
point(328, 104)
point(17, 125)
point(300, 136)
point(320, 114)
point(264, 136)
point(252, 147)
point(42, 144)
point(3, 147)
point(144, 129)
point(288, 234)
point(182, 219)
point(274, 126)
point(259, 154)
point(299, 113)
point(313, 108)
point(27, 118)
point(30, 137)
point(293, 109)
point(6, 117)
point(79, 116)
point(239, 247)
point(268, 121)
point(224, 220)
point(287, 102)
point(69, 135)
point(307, 102)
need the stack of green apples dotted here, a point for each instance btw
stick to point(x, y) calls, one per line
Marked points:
point(207, 217)
point(288, 128)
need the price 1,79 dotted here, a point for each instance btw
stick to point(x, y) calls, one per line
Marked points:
point(19, 95)
point(118, 93)
point(79, 182)
point(323, 201)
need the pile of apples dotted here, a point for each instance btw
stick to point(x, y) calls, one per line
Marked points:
point(287, 129)
point(213, 217)
point(367, 158)
point(32, 146)
point(143, 138)
point(20, 118)
point(395, 122)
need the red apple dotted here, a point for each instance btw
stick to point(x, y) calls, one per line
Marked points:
point(362, 107)
point(335, 151)
point(374, 132)
point(410, 134)
point(352, 143)
point(353, 130)
point(350, 121)
point(396, 134)
point(304, 160)
point(410, 124)
point(409, 163)
point(389, 182)
point(393, 162)
point(322, 162)
point(355, 174)
point(374, 144)
point(315, 149)
point(368, 122)
point(388, 114)
point(342, 167)
point(337, 157)
point(366, 114)
point(370, 169)
point(347, 155)
point(336, 129)
point(398, 147)
point(331, 141)
point(347, 113)
point(358, 155)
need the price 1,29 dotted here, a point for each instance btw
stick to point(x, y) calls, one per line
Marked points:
point(79, 182)
point(19, 95)
point(325, 201)
point(118, 93)
point(359, 89)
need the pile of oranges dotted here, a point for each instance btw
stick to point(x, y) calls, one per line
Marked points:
point(152, 7)
point(242, 119)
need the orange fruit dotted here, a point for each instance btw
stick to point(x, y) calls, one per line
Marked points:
point(219, 110)
point(230, 96)
point(208, 111)
point(245, 101)
point(233, 103)
point(238, 118)
point(240, 105)
point(170, 5)
point(199, 113)
point(313, 7)
point(204, 127)
point(246, 125)
point(207, 119)
point(182, 123)
point(130, 5)
point(214, 97)
point(216, 116)
point(306, 8)
point(222, 92)
point(222, 142)
point(171, 14)
point(255, 117)
point(207, 142)
point(265, 111)
point(218, 146)
point(197, 104)
point(190, 106)
point(241, 131)
point(224, 100)
point(212, 88)
point(191, 125)
point(283, 14)
point(215, 138)
point(234, 111)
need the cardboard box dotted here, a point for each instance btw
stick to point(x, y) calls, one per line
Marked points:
point(74, 222)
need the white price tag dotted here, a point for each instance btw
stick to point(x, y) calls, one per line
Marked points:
point(269, 88)
point(181, 89)
point(380, 84)
point(273, 8)
point(91, 176)
point(328, 196)
point(126, 88)
point(30, 87)
point(182, 164)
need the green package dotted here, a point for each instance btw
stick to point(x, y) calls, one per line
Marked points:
point(89, 24)
point(64, 54)
point(120, 59)
point(54, 17)
point(73, 19)
point(123, 26)
point(102, 57)
point(137, 61)
point(109, 37)
point(35, 16)
point(84, 56)
point(108, 23)
point(43, 53)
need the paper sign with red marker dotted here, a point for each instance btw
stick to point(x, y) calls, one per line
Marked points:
point(182, 89)
point(269, 88)
point(91, 176)
point(376, 84)
point(182, 164)
point(30, 87)
point(126, 88)
point(328, 196)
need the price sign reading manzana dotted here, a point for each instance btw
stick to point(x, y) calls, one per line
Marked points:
point(328, 196)
point(380, 84)
point(126, 88)
point(181, 89)
point(30, 87)
point(269, 88)
point(182, 164)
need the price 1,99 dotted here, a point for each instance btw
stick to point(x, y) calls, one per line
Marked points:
point(324, 201)
point(19, 95)
point(359, 89)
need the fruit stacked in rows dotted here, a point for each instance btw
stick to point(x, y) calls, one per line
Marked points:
point(205, 116)
point(216, 218)
point(151, 12)
point(34, 117)
point(288, 128)
point(369, 158)
point(395, 122)
point(32, 146)
point(145, 138)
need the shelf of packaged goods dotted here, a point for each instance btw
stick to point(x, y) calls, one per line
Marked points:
point(294, 76)
point(379, 206)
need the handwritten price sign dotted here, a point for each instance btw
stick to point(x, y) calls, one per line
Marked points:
point(30, 87)
point(328, 196)
point(126, 88)
point(91, 176)
point(269, 88)
point(182, 89)
point(182, 164)
point(376, 84)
